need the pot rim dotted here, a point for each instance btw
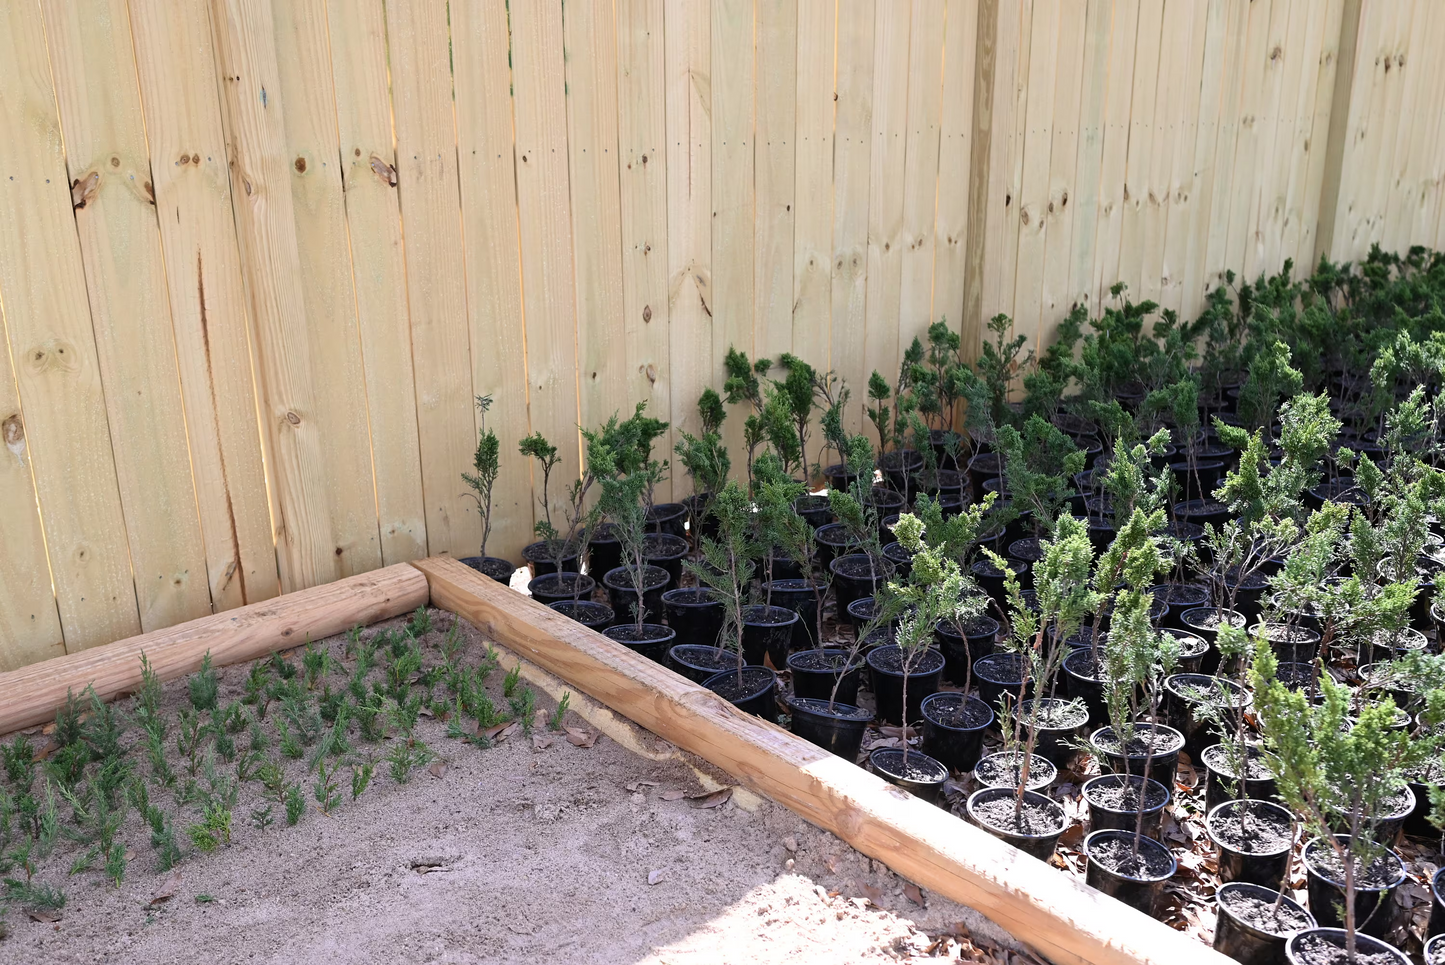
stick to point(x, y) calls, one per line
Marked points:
point(1309, 867)
point(1339, 934)
point(1268, 894)
point(943, 695)
point(1266, 805)
point(1033, 797)
point(1116, 833)
point(1131, 778)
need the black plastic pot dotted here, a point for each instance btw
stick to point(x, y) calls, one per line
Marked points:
point(651, 640)
point(750, 690)
point(1387, 825)
point(667, 552)
point(1140, 889)
point(698, 663)
point(1062, 724)
point(1000, 675)
point(838, 729)
point(964, 643)
point(860, 611)
point(1388, 645)
point(670, 518)
point(622, 594)
point(922, 777)
point(898, 468)
point(767, 632)
point(858, 575)
point(953, 726)
point(1295, 946)
point(1437, 905)
point(814, 672)
point(593, 616)
point(815, 509)
point(1180, 597)
point(493, 566)
point(1040, 842)
point(1002, 769)
point(1106, 817)
point(556, 587)
point(901, 558)
point(1204, 622)
point(1246, 942)
point(780, 567)
point(885, 501)
point(1291, 644)
point(1263, 864)
point(540, 557)
point(801, 597)
point(1374, 907)
point(1203, 512)
point(1435, 951)
point(886, 673)
point(1132, 761)
point(1083, 681)
point(1222, 784)
point(833, 542)
point(1417, 823)
point(985, 465)
point(1187, 693)
point(696, 613)
point(839, 477)
point(991, 580)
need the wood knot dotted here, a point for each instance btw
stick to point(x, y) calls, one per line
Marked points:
point(83, 190)
point(646, 313)
point(14, 432)
point(293, 418)
point(300, 165)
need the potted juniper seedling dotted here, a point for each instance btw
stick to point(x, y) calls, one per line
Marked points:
point(1124, 862)
point(551, 553)
point(727, 568)
point(486, 466)
point(636, 586)
point(936, 590)
point(1338, 778)
point(705, 458)
point(1041, 732)
point(864, 571)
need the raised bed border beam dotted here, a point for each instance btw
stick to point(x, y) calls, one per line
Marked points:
point(1063, 919)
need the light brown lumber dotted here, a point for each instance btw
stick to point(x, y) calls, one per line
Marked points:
point(1063, 919)
point(30, 696)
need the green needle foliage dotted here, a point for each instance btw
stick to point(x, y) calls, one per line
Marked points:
point(554, 722)
point(727, 562)
point(486, 467)
point(203, 685)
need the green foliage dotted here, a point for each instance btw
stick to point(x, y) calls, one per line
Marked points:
point(406, 756)
point(554, 722)
point(203, 685)
point(727, 562)
point(361, 778)
point(213, 830)
point(295, 801)
point(486, 467)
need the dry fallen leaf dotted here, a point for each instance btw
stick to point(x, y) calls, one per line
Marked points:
point(715, 799)
point(47, 915)
point(673, 794)
point(1073, 835)
point(831, 863)
point(167, 888)
point(45, 750)
point(888, 730)
point(437, 769)
point(871, 893)
point(913, 893)
point(498, 731)
point(540, 743)
point(580, 737)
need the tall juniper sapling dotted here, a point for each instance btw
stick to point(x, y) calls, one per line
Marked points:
point(486, 466)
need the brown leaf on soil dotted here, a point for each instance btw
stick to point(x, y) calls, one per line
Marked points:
point(888, 730)
point(437, 769)
point(581, 737)
point(47, 915)
point(48, 729)
point(540, 743)
point(1185, 776)
point(167, 888)
point(1073, 835)
point(715, 799)
point(873, 894)
point(44, 750)
point(673, 794)
point(831, 863)
point(913, 893)
point(496, 731)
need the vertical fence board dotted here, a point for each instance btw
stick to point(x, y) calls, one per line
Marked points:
point(687, 29)
point(885, 193)
point(813, 180)
point(852, 157)
point(177, 70)
point(1305, 212)
point(1036, 142)
point(606, 383)
point(1084, 199)
point(29, 623)
point(378, 269)
point(486, 167)
point(920, 170)
point(93, 65)
point(774, 165)
point(1179, 200)
point(1118, 95)
point(1058, 212)
point(548, 294)
point(1139, 195)
point(642, 141)
point(955, 153)
point(1214, 82)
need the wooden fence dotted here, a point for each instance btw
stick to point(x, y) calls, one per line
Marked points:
point(258, 257)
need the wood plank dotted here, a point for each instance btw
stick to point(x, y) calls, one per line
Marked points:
point(1141, 194)
point(53, 348)
point(1109, 224)
point(1346, 101)
point(548, 295)
point(1412, 67)
point(290, 221)
point(733, 194)
point(774, 167)
point(955, 154)
point(487, 168)
point(445, 348)
point(1231, 113)
point(92, 62)
point(606, 382)
point(32, 695)
point(813, 180)
point(378, 269)
point(1174, 244)
point(1006, 264)
point(920, 170)
point(1360, 148)
point(1032, 200)
point(1422, 211)
point(885, 189)
point(1287, 54)
point(29, 622)
point(687, 31)
point(1398, 76)
point(992, 68)
point(1255, 105)
point(1058, 215)
point(1055, 914)
point(642, 140)
point(1088, 162)
point(852, 176)
point(1215, 86)
point(176, 66)
point(1312, 119)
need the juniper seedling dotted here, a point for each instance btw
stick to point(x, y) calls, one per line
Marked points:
point(406, 756)
point(33, 896)
point(509, 683)
point(360, 778)
point(290, 746)
point(486, 467)
point(315, 661)
point(203, 685)
point(295, 804)
point(554, 722)
point(213, 830)
point(115, 864)
point(326, 788)
point(727, 563)
point(262, 818)
point(524, 709)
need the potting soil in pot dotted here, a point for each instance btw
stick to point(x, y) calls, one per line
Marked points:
point(1035, 818)
point(1118, 855)
point(1261, 913)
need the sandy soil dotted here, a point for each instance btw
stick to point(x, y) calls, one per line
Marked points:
point(534, 850)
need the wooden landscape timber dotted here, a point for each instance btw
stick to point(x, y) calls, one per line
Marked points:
point(1060, 917)
point(30, 696)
